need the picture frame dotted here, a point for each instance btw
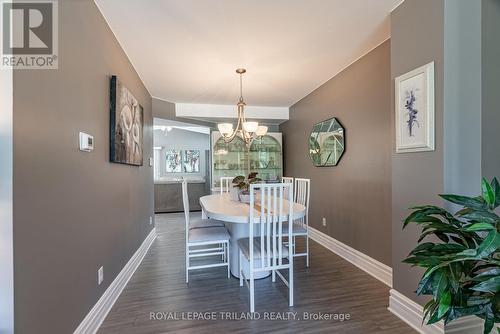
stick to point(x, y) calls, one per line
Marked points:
point(414, 108)
point(173, 161)
point(126, 125)
point(191, 161)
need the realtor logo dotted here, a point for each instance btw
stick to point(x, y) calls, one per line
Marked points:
point(29, 34)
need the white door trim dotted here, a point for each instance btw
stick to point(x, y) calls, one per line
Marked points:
point(6, 213)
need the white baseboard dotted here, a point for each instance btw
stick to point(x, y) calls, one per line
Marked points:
point(373, 267)
point(412, 313)
point(95, 317)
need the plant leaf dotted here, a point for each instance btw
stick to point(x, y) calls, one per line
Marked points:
point(489, 245)
point(441, 283)
point(252, 175)
point(469, 202)
point(458, 312)
point(491, 272)
point(444, 304)
point(488, 193)
point(238, 179)
point(490, 285)
point(480, 227)
point(489, 321)
point(425, 285)
point(481, 216)
point(421, 247)
point(496, 189)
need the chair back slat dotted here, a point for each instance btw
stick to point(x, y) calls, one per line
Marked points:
point(287, 179)
point(302, 194)
point(225, 184)
point(185, 202)
point(273, 212)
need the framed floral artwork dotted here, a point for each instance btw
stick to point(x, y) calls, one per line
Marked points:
point(415, 110)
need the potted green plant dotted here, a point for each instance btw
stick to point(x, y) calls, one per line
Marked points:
point(243, 185)
point(462, 261)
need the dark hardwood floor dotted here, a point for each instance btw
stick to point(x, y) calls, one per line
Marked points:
point(331, 285)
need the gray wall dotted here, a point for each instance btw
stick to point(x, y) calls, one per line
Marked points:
point(355, 196)
point(74, 211)
point(417, 38)
point(462, 97)
point(490, 87)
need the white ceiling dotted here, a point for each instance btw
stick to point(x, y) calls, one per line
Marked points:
point(187, 50)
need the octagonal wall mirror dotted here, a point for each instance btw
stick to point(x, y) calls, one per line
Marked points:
point(327, 143)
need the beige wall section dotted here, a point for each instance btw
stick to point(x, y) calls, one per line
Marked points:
point(417, 38)
point(74, 211)
point(355, 196)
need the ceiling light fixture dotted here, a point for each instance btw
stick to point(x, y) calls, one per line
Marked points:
point(247, 131)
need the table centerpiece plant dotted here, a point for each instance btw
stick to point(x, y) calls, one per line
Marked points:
point(243, 185)
point(462, 261)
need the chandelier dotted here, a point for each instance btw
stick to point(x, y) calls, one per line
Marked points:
point(248, 131)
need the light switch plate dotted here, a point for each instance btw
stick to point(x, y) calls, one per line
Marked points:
point(100, 275)
point(151, 162)
point(324, 221)
point(86, 142)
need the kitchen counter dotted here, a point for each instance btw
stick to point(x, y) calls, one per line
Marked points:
point(168, 194)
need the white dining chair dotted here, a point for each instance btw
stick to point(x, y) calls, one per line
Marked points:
point(286, 179)
point(225, 184)
point(202, 223)
point(212, 240)
point(302, 191)
point(264, 249)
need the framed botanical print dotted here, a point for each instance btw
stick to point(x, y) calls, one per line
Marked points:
point(415, 110)
point(173, 161)
point(192, 161)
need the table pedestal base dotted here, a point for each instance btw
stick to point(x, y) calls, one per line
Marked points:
point(239, 231)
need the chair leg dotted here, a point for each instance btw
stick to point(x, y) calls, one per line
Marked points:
point(293, 245)
point(252, 294)
point(187, 264)
point(307, 250)
point(227, 259)
point(290, 283)
point(273, 276)
point(240, 264)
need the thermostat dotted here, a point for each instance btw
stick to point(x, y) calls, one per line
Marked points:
point(86, 142)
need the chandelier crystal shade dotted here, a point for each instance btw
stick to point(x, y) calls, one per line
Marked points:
point(246, 130)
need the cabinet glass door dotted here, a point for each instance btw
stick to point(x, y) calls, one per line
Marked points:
point(265, 157)
point(229, 159)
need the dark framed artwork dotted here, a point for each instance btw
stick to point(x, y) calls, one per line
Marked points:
point(126, 125)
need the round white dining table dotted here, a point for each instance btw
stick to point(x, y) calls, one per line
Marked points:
point(236, 216)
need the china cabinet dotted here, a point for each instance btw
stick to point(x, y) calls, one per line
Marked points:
point(265, 156)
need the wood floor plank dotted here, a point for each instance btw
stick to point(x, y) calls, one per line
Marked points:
point(330, 285)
